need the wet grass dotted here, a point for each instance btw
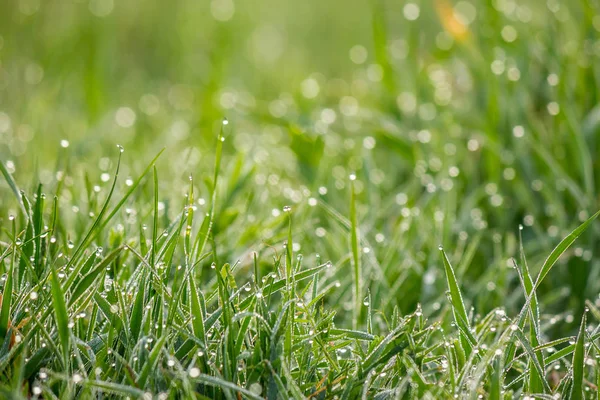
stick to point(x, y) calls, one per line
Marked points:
point(405, 210)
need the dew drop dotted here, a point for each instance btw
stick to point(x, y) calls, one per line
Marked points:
point(287, 209)
point(121, 149)
point(225, 121)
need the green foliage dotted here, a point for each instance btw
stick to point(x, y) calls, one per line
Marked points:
point(291, 250)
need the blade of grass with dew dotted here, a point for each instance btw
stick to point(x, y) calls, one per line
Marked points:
point(578, 365)
point(27, 247)
point(6, 300)
point(61, 315)
point(206, 227)
point(151, 362)
point(137, 311)
point(115, 388)
point(89, 278)
point(13, 186)
point(354, 244)
point(458, 306)
point(533, 359)
point(132, 189)
point(561, 248)
point(291, 287)
point(225, 385)
point(38, 225)
point(534, 380)
point(154, 220)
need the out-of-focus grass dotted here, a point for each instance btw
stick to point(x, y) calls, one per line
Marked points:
point(461, 120)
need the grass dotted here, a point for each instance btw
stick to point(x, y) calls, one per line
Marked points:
point(401, 202)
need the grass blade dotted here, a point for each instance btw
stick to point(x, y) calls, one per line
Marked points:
point(13, 186)
point(562, 247)
point(62, 318)
point(458, 306)
point(354, 244)
point(579, 363)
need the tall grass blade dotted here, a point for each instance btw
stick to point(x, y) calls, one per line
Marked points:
point(579, 363)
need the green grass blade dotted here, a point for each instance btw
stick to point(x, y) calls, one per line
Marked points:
point(355, 244)
point(132, 189)
point(155, 220)
point(61, 315)
point(458, 306)
point(196, 311)
point(88, 279)
point(6, 299)
point(13, 186)
point(562, 247)
point(151, 362)
point(225, 385)
point(137, 312)
point(579, 363)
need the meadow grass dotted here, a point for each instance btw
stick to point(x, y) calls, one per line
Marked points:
point(224, 200)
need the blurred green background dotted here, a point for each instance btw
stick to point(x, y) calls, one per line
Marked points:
point(461, 119)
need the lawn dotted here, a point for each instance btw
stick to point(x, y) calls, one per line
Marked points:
point(227, 199)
